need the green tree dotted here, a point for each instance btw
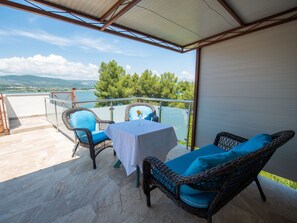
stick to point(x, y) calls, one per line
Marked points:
point(148, 84)
point(108, 85)
point(136, 86)
point(184, 91)
point(168, 85)
point(113, 82)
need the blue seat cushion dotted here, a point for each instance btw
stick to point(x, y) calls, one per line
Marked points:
point(97, 136)
point(201, 200)
point(83, 119)
point(252, 144)
point(144, 109)
point(180, 165)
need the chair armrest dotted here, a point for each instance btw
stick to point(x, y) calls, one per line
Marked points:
point(155, 118)
point(151, 162)
point(105, 121)
point(227, 141)
point(88, 133)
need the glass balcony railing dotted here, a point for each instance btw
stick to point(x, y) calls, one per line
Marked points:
point(168, 110)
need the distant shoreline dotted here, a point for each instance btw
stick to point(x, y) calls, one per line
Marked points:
point(44, 92)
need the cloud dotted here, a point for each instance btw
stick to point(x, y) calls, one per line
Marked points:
point(128, 67)
point(44, 37)
point(72, 41)
point(48, 66)
point(186, 76)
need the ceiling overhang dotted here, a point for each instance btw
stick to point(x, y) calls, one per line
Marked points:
point(180, 26)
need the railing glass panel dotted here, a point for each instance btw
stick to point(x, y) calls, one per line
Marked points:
point(50, 112)
point(114, 109)
point(178, 118)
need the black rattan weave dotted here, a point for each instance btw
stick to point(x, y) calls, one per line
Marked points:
point(226, 180)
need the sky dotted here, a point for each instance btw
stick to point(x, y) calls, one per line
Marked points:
point(41, 46)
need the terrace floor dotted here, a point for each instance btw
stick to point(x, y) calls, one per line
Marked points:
point(40, 182)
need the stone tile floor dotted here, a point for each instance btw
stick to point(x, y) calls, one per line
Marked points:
point(40, 182)
point(28, 124)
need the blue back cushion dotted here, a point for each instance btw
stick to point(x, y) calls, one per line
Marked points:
point(149, 117)
point(252, 144)
point(182, 163)
point(83, 119)
point(203, 163)
point(144, 109)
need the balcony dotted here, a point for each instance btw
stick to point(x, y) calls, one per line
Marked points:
point(114, 109)
point(40, 182)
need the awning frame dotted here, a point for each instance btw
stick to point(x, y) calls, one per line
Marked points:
point(107, 23)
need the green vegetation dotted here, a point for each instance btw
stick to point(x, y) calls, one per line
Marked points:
point(279, 179)
point(114, 82)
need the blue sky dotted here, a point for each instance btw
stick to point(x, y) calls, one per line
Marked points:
point(32, 44)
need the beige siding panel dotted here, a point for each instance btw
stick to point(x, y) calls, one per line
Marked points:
point(248, 85)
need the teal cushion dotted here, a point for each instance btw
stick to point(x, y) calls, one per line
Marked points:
point(97, 136)
point(83, 119)
point(180, 165)
point(201, 200)
point(149, 117)
point(252, 144)
point(144, 109)
point(203, 163)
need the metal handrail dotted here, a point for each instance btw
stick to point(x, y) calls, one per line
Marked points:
point(111, 100)
point(120, 99)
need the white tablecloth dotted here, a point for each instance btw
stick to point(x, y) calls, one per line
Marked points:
point(133, 142)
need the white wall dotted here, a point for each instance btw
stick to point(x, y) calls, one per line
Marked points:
point(248, 85)
point(24, 105)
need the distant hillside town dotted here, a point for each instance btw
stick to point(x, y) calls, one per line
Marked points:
point(31, 83)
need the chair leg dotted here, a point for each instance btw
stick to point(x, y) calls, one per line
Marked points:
point(260, 189)
point(93, 157)
point(209, 219)
point(94, 163)
point(74, 149)
point(114, 153)
point(147, 191)
point(148, 199)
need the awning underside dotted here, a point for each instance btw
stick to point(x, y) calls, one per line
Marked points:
point(173, 24)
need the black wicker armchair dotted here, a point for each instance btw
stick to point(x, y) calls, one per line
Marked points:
point(140, 105)
point(87, 137)
point(223, 182)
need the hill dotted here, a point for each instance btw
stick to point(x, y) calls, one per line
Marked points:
point(35, 83)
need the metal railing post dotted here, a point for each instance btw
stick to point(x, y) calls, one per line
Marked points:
point(160, 111)
point(189, 124)
point(56, 113)
point(111, 111)
point(45, 109)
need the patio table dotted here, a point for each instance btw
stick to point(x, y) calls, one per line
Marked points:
point(137, 139)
